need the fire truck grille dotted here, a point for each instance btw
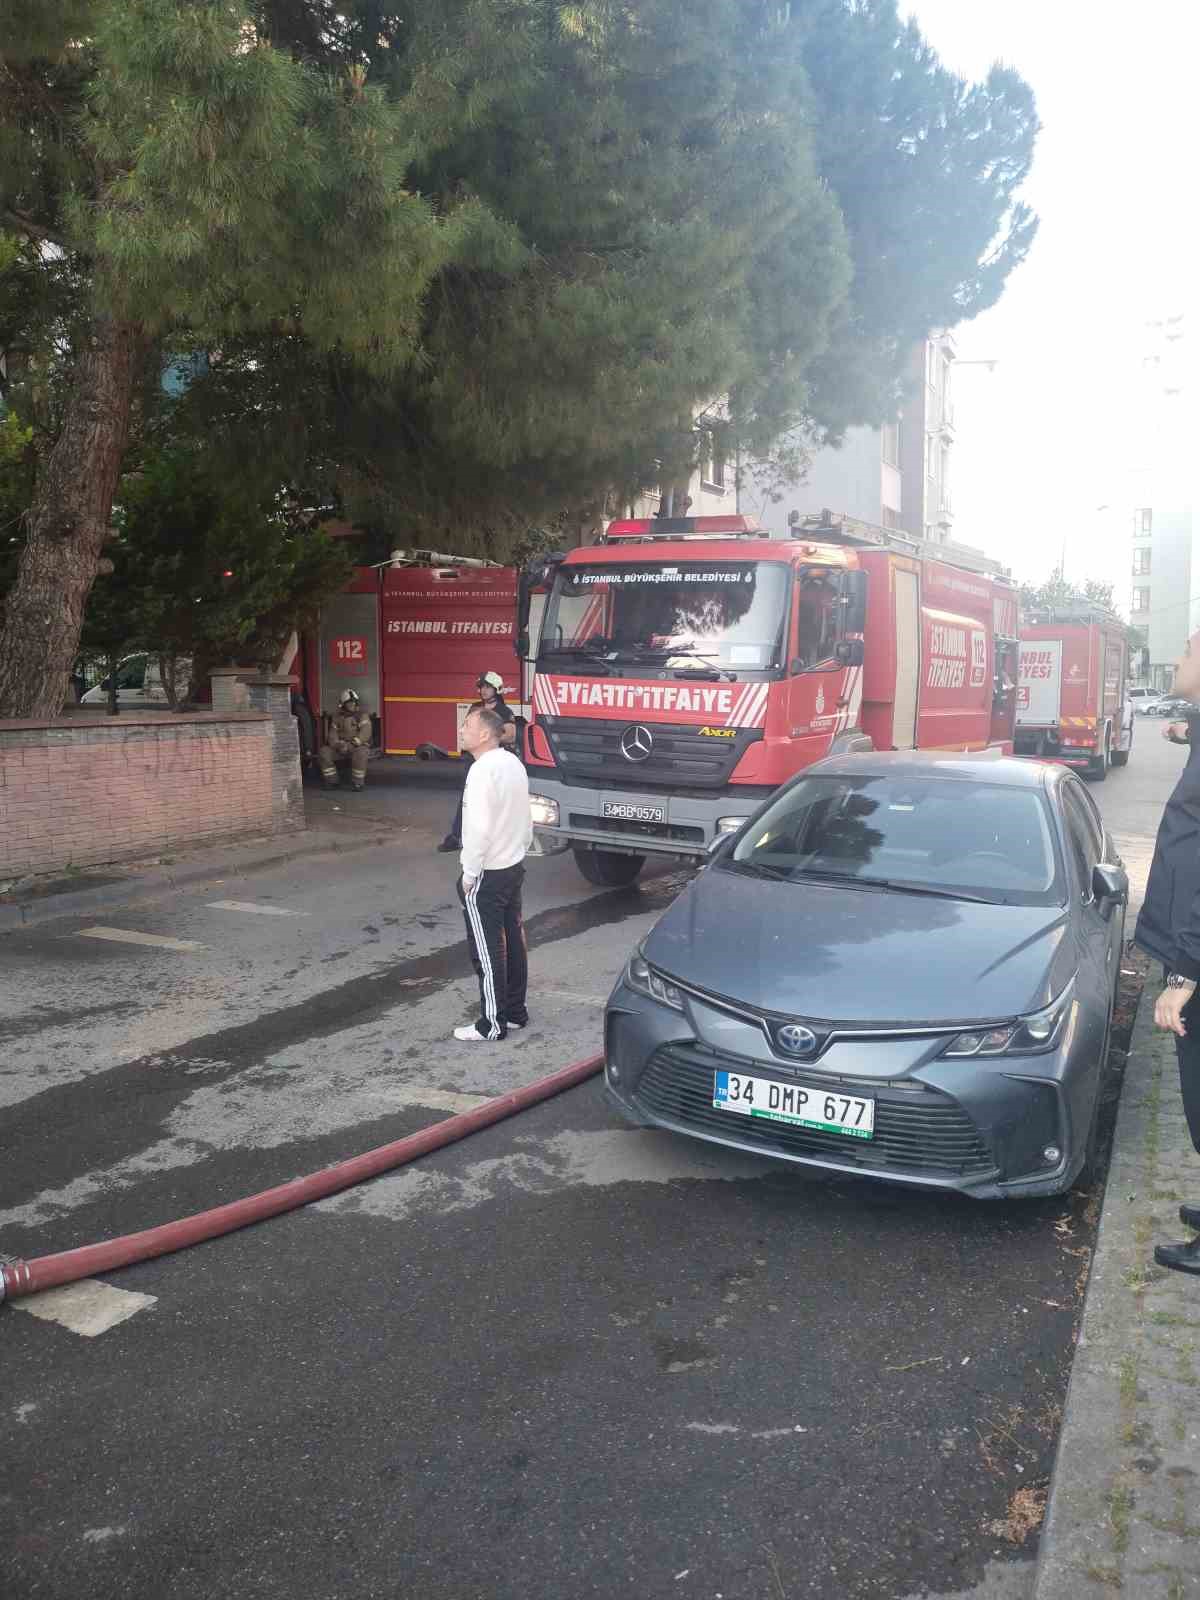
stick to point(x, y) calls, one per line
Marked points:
point(681, 758)
point(917, 1130)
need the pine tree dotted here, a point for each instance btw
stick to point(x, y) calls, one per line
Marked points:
point(198, 167)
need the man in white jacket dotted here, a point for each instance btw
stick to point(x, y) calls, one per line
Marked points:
point(496, 833)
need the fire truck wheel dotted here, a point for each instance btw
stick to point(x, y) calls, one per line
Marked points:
point(1098, 770)
point(1120, 758)
point(608, 868)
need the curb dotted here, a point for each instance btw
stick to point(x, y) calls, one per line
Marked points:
point(1118, 1517)
point(110, 896)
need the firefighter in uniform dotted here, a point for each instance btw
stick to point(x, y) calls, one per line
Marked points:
point(351, 736)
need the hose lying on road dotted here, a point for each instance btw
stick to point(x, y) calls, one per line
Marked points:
point(49, 1272)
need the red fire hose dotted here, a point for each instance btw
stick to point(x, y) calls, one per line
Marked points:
point(48, 1272)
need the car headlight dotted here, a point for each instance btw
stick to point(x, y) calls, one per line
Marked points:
point(640, 975)
point(543, 811)
point(1028, 1036)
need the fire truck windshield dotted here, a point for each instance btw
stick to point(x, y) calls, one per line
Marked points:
point(715, 612)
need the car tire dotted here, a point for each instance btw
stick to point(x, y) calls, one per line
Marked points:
point(1089, 1171)
point(608, 869)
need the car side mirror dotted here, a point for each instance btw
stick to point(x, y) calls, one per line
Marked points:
point(723, 841)
point(848, 653)
point(1110, 885)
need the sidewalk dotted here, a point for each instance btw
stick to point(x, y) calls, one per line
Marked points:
point(331, 829)
point(410, 800)
point(1124, 1516)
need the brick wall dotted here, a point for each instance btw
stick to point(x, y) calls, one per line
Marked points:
point(84, 789)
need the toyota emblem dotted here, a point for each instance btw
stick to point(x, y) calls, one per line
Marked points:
point(637, 743)
point(796, 1040)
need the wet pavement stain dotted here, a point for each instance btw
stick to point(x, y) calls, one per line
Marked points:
point(120, 1107)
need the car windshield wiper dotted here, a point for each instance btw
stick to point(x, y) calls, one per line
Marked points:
point(899, 885)
point(665, 654)
point(705, 674)
point(577, 653)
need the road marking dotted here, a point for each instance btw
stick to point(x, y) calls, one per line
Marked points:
point(88, 1307)
point(250, 905)
point(127, 936)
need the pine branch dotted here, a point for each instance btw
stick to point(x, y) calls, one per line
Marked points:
point(32, 229)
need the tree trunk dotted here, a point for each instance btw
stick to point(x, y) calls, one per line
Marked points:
point(68, 526)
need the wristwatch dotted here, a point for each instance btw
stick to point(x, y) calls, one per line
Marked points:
point(1176, 980)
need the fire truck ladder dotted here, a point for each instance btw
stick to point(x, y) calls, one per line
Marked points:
point(432, 558)
point(828, 528)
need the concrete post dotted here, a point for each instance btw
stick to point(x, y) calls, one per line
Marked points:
point(228, 691)
point(273, 696)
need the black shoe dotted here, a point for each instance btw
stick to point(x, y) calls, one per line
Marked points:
point(357, 788)
point(450, 842)
point(1182, 1257)
point(1190, 1216)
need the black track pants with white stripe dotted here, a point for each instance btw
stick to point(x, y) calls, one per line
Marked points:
point(496, 940)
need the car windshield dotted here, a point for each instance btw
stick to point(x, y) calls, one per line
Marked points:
point(685, 614)
point(923, 834)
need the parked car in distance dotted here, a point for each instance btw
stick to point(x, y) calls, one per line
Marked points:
point(139, 685)
point(1143, 699)
point(1173, 706)
point(903, 965)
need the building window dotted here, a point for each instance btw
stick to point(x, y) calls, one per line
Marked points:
point(1141, 562)
point(930, 455)
point(1141, 600)
point(712, 460)
point(891, 443)
point(1143, 520)
point(891, 517)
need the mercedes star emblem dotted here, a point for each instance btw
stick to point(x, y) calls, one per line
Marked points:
point(636, 743)
point(795, 1040)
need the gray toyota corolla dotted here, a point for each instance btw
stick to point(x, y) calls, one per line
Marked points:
point(903, 965)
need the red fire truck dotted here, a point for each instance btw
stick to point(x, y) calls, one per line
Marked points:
point(688, 667)
point(1073, 704)
point(411, 637)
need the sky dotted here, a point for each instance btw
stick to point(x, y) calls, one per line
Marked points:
point(1072, 429)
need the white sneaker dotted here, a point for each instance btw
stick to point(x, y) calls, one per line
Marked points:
point(470, 1034)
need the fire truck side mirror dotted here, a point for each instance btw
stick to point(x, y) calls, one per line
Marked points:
point(849, 653)
point(854, 594)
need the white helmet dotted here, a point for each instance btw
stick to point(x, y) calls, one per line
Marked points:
point(347, 696)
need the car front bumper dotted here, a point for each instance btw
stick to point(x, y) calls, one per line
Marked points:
point(976, 1127)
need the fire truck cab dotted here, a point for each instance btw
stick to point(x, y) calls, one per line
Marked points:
point(686, 668)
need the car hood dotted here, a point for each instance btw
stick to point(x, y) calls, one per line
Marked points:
point(861, 955)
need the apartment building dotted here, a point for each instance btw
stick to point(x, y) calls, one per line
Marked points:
point(1164, 596)
point(926, 441)
point(895, 476)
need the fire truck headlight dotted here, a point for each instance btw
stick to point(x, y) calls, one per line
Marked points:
point(544, 812)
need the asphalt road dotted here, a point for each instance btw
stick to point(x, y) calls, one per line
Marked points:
point(565, 1358)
